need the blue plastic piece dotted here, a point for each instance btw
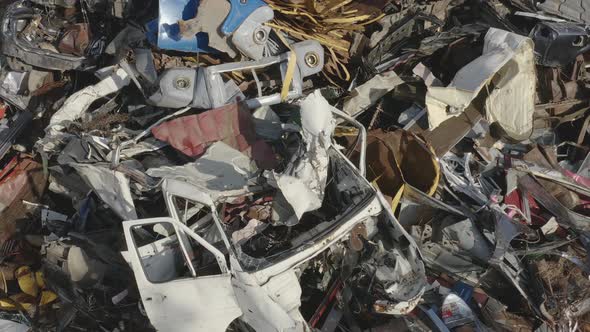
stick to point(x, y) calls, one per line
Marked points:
point(240, 10)
point(463, 290)
point(80, 219)
point(165, 32)
point(151, 34)
point(432, 314)
point(168, 35)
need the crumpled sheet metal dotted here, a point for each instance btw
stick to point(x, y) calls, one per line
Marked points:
point(8, 136)
point(567, 188)
point(222, 169)
point(75, 39)
point(407, 293)
point(120, 44)
point(231, 124)
point(506, 72)
point(465, 182)
point(303, 181)
point(367, 94)
point(75, 106)
point(273, 306)
point(561, 177)
point(564, 216)
point(466, 236)
point(22, 49)
point(507, 262)
point(397, 158)
point(20, 179)
point(111, 186)
point(410, 273)
point(439, 258)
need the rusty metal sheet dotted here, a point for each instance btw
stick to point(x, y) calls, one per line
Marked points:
point(21, 179)
point(75, 40)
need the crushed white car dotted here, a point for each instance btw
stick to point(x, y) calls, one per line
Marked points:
point(203, 267)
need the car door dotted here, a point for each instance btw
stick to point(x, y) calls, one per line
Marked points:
point(177, 293)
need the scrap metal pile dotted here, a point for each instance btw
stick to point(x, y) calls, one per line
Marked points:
point(294, 165)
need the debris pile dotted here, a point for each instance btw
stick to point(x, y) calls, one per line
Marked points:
point(294, 165)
